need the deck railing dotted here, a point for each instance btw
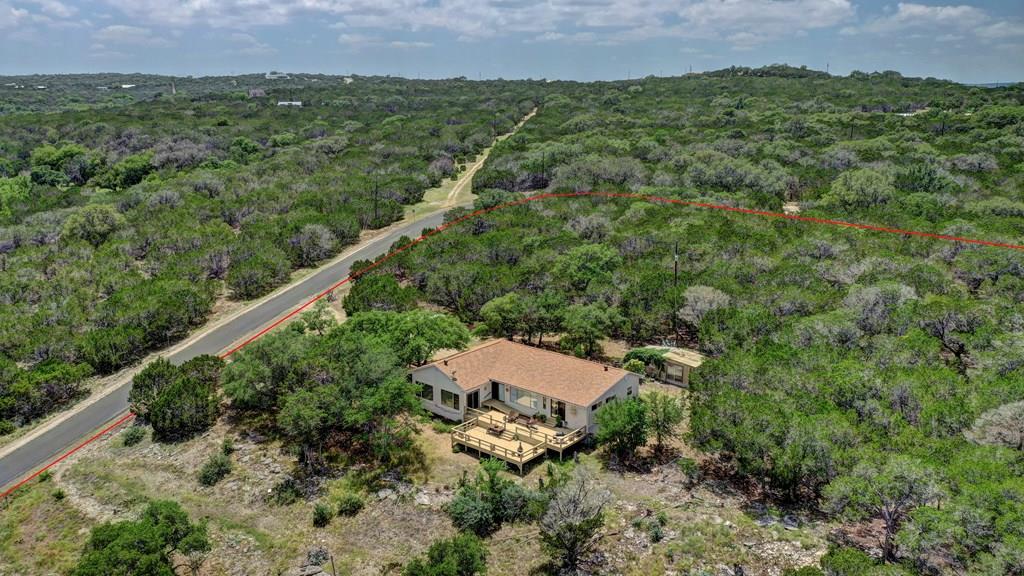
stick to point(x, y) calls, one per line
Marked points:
point(460, 435)
point(553, 441)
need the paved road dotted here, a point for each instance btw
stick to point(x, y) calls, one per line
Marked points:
point(41, 449)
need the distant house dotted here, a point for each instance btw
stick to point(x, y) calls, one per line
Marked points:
point(274, 75)
point(257, 93)
point(518, 402)
point(289, 103)
point(126, 86)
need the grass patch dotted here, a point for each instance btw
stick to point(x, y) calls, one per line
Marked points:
point(39, 533)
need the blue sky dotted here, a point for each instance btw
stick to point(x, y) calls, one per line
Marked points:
point(975, 41)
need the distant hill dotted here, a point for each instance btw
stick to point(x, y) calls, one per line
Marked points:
point(57, 92)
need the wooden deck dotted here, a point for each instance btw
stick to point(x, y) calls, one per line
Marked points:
point(489, 432)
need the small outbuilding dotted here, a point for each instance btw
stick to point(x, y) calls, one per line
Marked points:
point(675, 364)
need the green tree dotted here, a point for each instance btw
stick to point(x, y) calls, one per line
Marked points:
point(586, 325)
point(861, 188)
point(93, 223)
point(414, 335)
point(585, 265)
point(258, 272)
point(149, 384)
point(303, 419)
point(623, 426)
point(142, 546)
point(184, 409)
point(665, 414)
point(262, 373)
point(504, 315)
point(379, 292)
point(109, 349)
point(889, 490)
point(13, 190)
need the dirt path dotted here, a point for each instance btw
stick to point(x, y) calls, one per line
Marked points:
point(467, 178)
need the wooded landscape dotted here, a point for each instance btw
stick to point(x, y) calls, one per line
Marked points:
point(873, 379)
point(124, 226)
point(856, 369)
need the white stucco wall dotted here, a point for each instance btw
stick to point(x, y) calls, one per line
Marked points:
point(432, 376)
point(619, 391)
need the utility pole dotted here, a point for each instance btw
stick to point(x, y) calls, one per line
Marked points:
point(675, 291)
point(376, 179)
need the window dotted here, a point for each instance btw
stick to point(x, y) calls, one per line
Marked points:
point(629, 391)
point(426, 391)
point(527, 399)
point(594, 407)
point(450, 399)
point(610, 400)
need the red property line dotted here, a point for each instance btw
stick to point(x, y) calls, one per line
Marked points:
point(480, 212)
point(120, 421)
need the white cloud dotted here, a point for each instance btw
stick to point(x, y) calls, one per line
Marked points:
point(11, 17)
point(910, 16)
point(597, 21)
point(358, 40)
point(946, 23)
point(1000, 30)
point(743, 23)
point(410, 45)
point(55, 8)
point(129, 36)
point(249, 45)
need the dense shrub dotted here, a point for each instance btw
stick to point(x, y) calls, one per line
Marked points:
point(215, 469)
point(133, 435)
point(349, 503)
point(322, 515)
point(460, 555)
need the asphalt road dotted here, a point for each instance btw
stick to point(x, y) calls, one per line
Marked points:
point(47, 445)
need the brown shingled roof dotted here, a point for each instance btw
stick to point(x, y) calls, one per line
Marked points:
point(554, 375)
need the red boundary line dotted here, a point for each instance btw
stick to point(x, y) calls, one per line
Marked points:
point(544, 196)
point(120, 421)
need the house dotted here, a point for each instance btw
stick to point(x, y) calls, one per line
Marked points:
point(518, 402)
point(676, 365)
point(256, 93)
point(289, 103)
point(510, 377)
